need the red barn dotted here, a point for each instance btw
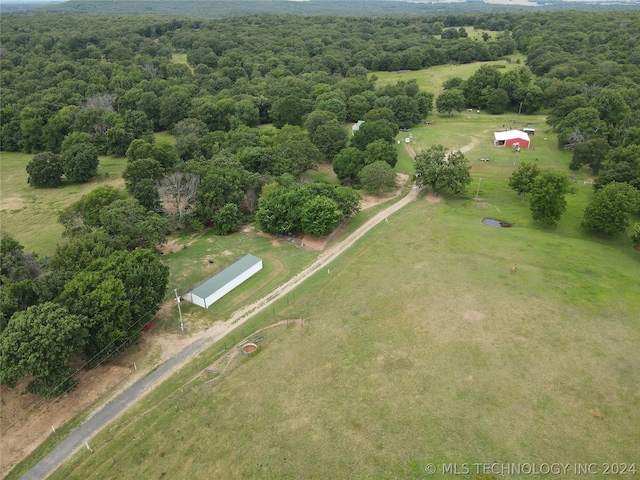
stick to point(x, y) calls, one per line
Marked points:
point(510, 138)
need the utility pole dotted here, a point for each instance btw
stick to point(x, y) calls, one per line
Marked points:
point(175, 290)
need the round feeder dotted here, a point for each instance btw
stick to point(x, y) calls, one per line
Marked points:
point(248, 348)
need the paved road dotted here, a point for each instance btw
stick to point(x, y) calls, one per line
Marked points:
point(119, 404)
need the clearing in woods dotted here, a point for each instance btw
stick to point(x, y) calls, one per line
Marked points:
point(418, 347)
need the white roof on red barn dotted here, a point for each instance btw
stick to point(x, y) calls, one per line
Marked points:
point(510, 134)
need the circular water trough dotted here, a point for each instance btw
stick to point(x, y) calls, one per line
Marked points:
point(248, 348)
point(496, 223)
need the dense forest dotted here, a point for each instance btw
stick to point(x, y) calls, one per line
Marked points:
point(224, 8)
point(254, 102)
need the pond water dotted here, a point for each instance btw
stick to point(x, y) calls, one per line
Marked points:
point(496, 223)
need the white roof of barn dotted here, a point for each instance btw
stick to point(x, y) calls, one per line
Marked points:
point(356, 126)
point(225, 276)
point(509, 134)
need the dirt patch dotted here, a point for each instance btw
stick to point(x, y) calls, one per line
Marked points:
point(26, 419)
point(174, 245)
point(12, 203)
point(433, 198)
point(369, 201)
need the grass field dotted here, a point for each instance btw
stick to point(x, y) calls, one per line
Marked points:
point(420, 347)
point(190, 265)
point(30, 214)
point(431, 79)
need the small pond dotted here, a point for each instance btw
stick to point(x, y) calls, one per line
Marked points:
point(496, 223)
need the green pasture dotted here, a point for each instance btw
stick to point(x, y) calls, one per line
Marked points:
point(189, 264)
point(431, 79)
point(30, 214)
point(419, 347)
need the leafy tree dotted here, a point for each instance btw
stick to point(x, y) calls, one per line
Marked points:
point(380, 114)
point(372, 131)
point(78, 253)
point(380, 150)
point(348, 163)
point(608, 212)
point(75, 138)
point(357, 107)
point(320, 216)
point(584, 120)
point(242, 137)
point(279, 210)
point(288, 111)
point(335, 106)
point(80, 162)
point(592, 153)
point(317, 118)
point(548, 193)
point(612, 106)
point(218, 188)
point(377, 177)
point(58, 127)
point(138, 149)
point(533, 99)
point(137, 227)
point(635, 235)
point(511, 83)
point(497, 101)
point(105, 304)
point(330, 138)
point(118, 140)
point(621, 165)
point(450, 100)
point(348, 200)
point(486, 78)
point(405, 110)
point(295, 152)
point(146, 193)
point(39, 343)
point(16, 265)
point(31, 123)
point(521, 180)
point(144, 277)
point(226, 219)
point(451, 83)
point(84, 214)
point(424, 103)
point(139, 170)
point(45, 170)
point(443, 174)
point(164, 153)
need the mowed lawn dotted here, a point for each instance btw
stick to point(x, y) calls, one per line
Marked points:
point(419, 346)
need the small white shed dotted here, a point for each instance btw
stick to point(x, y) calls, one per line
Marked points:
point(356, 126)
point(225, 281)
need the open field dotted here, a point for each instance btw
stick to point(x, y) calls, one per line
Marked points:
point(420, 346)
point(431, 79)
point(30, 214)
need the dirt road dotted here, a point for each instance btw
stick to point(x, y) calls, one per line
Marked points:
point(80, 437)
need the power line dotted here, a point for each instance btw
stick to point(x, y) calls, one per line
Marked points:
point(127, 339)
